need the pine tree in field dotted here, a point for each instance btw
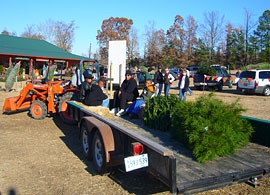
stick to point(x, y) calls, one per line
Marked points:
point(12, 76)
point(9, 70)
point(263, 32)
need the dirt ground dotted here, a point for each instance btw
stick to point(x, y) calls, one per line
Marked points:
point(44, 157)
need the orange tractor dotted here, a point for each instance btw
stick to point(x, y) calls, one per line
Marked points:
point(45, 97)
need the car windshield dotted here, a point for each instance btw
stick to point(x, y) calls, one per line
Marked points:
point(264, 75)
point(247, 74)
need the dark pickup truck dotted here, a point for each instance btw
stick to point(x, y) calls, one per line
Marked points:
point(222, 78)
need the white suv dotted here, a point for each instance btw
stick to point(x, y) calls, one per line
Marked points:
point(255, 81)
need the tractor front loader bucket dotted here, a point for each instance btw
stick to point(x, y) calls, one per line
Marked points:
point(11, 105)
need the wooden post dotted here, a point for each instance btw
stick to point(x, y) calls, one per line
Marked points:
point(66, 64)
point(120, 79)
point(10, 61)
point(203, 84)
point(111, 84)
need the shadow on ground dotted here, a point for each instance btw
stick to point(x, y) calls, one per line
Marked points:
point(138, 182)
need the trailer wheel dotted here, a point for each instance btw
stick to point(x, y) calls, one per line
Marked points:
point(86, 142)
point(98, 151)
point(63, 111)
point(38, 110)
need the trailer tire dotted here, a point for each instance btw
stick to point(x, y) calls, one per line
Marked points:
point(99, 156)
point(38, 110)
point(63, 112)
point(86, 142)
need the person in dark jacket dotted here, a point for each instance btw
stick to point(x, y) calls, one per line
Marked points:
point(96, 97)
point(159, 80)
point(147, 93)
point(183, 85)
point(127, 92)
point(86, 87)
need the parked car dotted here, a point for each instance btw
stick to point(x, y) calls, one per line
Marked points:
point(254, 81)
point(192, 70)
point(176, 74)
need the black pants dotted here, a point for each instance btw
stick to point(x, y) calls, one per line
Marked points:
point(122, 100)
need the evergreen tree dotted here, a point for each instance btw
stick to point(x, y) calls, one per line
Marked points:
point(202, 53)
point(263, 33)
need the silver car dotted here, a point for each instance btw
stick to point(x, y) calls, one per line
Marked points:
point(254, 81)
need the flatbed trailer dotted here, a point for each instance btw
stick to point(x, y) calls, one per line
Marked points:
point(169, 161)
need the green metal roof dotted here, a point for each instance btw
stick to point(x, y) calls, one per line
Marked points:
point(33, 47)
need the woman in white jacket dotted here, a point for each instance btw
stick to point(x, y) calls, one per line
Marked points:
point(168, 80)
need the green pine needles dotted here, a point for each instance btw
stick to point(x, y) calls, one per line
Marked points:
point(208, 126)
point(12, 72)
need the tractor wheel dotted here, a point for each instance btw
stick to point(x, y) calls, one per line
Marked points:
point(99, 157)
point(38, 110)
point(63, 111)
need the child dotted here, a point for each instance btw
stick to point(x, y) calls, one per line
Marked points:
point(147, 93)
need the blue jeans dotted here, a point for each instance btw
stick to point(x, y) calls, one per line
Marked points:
point(166, 89)
point(105, 103)
point(160, 86)
point(182, 95)
point(190, 91)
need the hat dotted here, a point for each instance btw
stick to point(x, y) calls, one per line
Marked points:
point(159, 67)
point(103, 79)
point(88, 76)
point(128, 72)
point(150, 69)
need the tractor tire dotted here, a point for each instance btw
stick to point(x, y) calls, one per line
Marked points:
point(38, 110)
point(63, 111)
point(99, 157)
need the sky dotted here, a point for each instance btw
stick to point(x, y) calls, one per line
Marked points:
point(16, 15)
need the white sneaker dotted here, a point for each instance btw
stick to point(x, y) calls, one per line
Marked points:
point(113, 111)
point(121, 112)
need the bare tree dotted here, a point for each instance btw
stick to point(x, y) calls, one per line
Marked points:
point(64, 35)
point(212, 30)
point(155, 41)
point(249, 25)
point(191, 39)
point(132, 44)
point(30, 32)
point(47, 30)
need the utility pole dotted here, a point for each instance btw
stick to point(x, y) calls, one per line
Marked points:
point(90, 51)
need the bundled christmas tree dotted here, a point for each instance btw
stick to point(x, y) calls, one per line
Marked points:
point(12, 72)
point(50, 72)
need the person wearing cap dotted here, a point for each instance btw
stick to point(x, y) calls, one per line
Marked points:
point(96, 97)
point(86, 87)
point(128, 92)
point(159, 80)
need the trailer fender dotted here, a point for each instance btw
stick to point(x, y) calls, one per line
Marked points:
point(105, 132)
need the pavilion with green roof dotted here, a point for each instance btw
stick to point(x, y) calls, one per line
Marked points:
point(35, 52)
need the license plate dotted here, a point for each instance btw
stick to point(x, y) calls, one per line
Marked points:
point(136, 162)
point(203, 83)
